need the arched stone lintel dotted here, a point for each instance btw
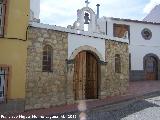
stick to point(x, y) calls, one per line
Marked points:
point(151, 54)
point(86, 48)
point(157, 59)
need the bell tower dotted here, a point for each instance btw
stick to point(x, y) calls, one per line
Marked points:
point(86, 19)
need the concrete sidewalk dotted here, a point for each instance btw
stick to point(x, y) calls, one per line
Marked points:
point(135, 90)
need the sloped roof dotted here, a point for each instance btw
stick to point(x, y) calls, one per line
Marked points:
point(154, 15)
point(135, 21)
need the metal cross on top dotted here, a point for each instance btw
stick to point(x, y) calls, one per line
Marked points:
point(87, 3)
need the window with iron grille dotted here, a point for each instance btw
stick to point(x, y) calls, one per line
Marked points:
point(47, 58)
point(129, 61)
point(117, 63)
point(2, 16)
point(3, 82)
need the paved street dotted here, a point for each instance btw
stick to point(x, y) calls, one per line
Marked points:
point(137, 109)
point(111, 108)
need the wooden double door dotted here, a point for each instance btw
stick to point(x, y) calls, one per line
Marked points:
point(151, 68)
point(85, 76)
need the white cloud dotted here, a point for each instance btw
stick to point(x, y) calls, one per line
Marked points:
point(149, 6)
point(59, 12)
point(63, 12)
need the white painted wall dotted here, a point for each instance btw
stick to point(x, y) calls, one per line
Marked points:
point(35, 7)
point(139, 47)
point(110, 22)
point(75, 41)
point(138, 52)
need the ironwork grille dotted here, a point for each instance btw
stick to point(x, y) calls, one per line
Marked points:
point(47, 58)
point(3, 81)
point(117, 63)
point(2, 15)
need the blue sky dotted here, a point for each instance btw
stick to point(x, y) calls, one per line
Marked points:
point(63, 12)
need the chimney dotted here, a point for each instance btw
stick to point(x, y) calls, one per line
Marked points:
point(98, 10)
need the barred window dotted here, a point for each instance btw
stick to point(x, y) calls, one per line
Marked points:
point(47, 58)
point(129, 61)
point(4, 75)
point(2, 16)
point(117, 63)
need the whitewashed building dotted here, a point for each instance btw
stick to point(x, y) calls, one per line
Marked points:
point(143, 36)
point(144, 42)
point(144, 45)
point(34, 10)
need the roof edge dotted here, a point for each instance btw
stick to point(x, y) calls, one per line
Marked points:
point(136, 21)
point(77, 32)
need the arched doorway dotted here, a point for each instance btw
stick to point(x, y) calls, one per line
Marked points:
point(85, 83)
point(151, 68)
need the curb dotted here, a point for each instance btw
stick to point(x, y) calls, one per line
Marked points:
point(91, 105)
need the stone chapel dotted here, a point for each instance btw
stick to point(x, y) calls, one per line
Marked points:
point(79, 62)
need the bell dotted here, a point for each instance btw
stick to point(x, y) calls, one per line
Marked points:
point(86, 21)
point(86, 18)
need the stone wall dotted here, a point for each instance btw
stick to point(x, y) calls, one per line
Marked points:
point(46, 89)
point(115, 83)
